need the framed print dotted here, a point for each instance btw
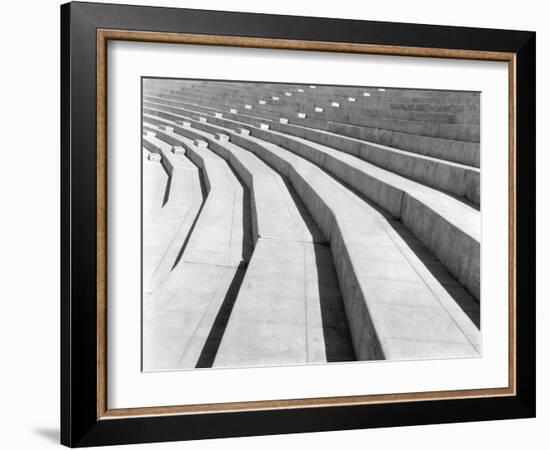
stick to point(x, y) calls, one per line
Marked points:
point(276, 224)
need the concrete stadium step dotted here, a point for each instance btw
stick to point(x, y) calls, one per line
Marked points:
point(166, 229)
point(371, 260)
point(456, 179)
point(389, 104)
point(380, 93)
point(454, 151)
point(344, 89)
point(216, 246)
point(373, 110)
point(448, 227)
point(155, 181)
point(459, 132)
point(323, 92)
point(349, 100)
point(349, 94)
point(369, 119)
point(340, 109)
point(304, 323)
point(178, 316)
point(218, 236)
point(380, 260)
point(283, 231)
point(449, 113)
point(445, 108)
point(169, 160)
point(275, 212)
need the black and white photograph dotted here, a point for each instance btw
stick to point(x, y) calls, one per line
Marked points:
point(292, 224)
point(275, 225)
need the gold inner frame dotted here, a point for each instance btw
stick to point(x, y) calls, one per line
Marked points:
point(104, 35)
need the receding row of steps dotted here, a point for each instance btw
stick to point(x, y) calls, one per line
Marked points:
point(352, 250)
point(462, 152)
point(432, 113)
point(194, 324)
point(332, 111)
point(445, 225)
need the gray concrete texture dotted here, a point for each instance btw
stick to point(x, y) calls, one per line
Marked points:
point(343, 114)
point(387, 100)
point(447, 226)
point(458, 179)
point(303, 244)
point(348, 113)
point(452, 150)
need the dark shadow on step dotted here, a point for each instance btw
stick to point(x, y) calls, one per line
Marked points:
point(167, 191)
point(467, 302)
point(213, 341)
point(248, 242)
point(338, 344)
point(205, 193)
point(312, 227)
point(248, 239)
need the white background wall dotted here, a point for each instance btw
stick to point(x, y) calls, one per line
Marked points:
point(29, 225)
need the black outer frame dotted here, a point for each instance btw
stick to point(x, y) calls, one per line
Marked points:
point(79, 423)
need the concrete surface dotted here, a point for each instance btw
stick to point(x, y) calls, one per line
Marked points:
point(448, 149)
point(457, 179)
point(180, 312)
point(282, 228)
point(388, 180)
point(450, 228)
point(169, 213)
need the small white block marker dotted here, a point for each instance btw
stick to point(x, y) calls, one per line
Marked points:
point(261, 102)
point(351, 99)
point(312, 87)
point(283, 120)
point(382, 90)
point(222, 137)
point(288, 94)
point(264, 126)
point(245, 131)
point(247, 106)
point(185, 124)
point(154, 157)
point(233, 111)
point(318, 109)
point(178, 150)
point(200, 143)
point(275, 98)
point(218, 115)
point(301, 115)
point(150, 133)
point(335, 104)
point(366, 94)
point(202, 119)
point(300, 90)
